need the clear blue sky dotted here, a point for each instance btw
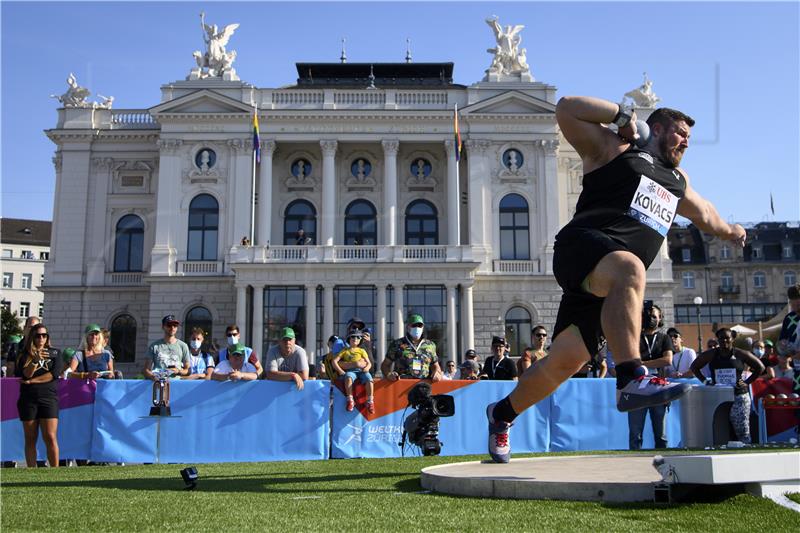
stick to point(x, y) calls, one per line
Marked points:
point(745, 145)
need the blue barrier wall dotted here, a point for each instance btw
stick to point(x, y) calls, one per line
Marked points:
point(272, 421)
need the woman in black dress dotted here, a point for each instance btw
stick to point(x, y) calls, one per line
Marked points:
point(38, 367)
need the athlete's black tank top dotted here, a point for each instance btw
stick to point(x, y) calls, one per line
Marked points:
point(632, 199)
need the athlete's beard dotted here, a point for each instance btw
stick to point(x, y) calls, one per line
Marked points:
point(672, 156)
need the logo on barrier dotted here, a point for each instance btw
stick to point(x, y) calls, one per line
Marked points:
point(355, 436)
point(384, 433)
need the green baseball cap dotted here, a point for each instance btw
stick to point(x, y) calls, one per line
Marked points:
point(92, 328)
point(68, 354)
point(415, 319)
point(769, 343)
point(14, 339)
point(238, 348)
point(287, 333)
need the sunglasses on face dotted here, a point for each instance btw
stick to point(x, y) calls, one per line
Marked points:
point(41, 335)
point(675, 336)
point(417, 325)
point(542, 335)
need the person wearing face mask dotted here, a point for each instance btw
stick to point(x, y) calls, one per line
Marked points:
point(726, 365)
point(412, 356)
point(655, 349)
point(250, 356)
point(201, 364)
point(682, 356)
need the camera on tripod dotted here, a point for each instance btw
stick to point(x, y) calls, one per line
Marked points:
point(421, 428)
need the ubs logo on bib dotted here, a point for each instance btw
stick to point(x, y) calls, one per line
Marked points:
point(653, 205)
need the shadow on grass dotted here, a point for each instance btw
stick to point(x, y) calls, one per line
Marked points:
point(239, 483)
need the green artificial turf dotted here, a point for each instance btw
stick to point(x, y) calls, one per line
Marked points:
point(337, 495)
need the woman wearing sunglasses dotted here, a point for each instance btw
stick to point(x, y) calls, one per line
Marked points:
point(38, 367)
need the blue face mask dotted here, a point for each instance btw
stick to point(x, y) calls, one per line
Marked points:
point(195, 344)
point(758, 352)
point(415, 333)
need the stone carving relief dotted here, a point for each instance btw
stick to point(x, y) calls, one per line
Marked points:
point(422, 172)
point(57, 159)
point(131, 176)
point(204, 168)
point(513, 166)
point(217, 61)
point(572, 168)
point(361, 175)
point(169, 146)
point(301, 173)
point(509, 63)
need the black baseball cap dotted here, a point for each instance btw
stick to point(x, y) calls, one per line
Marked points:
point(170, 319)
point(498, 340)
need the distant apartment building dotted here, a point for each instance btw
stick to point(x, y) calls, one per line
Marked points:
point(25, 250)
point(736, 284)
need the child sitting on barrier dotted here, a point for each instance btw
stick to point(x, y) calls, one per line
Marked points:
point(353, 354)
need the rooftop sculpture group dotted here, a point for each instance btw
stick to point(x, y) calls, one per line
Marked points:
point(509, 62)
point(216, 62)
point(76, 96)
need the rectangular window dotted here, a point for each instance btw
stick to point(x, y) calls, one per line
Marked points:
point(350, 301)
point(688, 280)
point(24, 309)
point(787, 252)
point(756, 253)
point(430, 301)
point(44, 256)
point(27, 280)
point(725, 252)
point(26, 254)
point(41, 311)
point(686, 254)
point(284, 306)
point(8, 280)
point(7, 254)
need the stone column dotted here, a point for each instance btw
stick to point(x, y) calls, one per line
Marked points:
point(328, 218)
point(311, 323)
point(258, 319)
point(264, 213)
point(468, 321)
point(399, 311)
point(452, 341)
point(327, 311)
point(390, 149)
point(452, 194)
point(239, 201)
point(241, 310)
point(550, 203)
point(169, 179)
point(379, 348)
point(479, 192)
point(98, 222)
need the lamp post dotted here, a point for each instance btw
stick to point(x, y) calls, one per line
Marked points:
point(698, 301)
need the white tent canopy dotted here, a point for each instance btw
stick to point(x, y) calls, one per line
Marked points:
point(743, 330)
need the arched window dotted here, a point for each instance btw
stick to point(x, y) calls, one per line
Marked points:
point(514, 229)
point(203, 228)
point(360, 223)
point(422, 223)
point(129, 244)
point(759, 280)
point(300, 214)
point(123, 338)
point(518, 330)
point(198, 317)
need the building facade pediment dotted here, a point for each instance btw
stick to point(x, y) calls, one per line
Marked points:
point(201, 102)
point(511, 102)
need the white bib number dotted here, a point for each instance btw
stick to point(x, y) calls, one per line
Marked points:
point(653, 205)
point(725, 376)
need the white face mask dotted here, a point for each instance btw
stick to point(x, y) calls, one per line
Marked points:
point(415, 333)
point(195, 344)
point(758, 352)
point(233, 339)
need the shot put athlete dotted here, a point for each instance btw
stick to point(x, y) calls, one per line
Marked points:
point(630, 197)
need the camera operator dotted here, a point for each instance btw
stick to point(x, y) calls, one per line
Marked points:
point(655, 349)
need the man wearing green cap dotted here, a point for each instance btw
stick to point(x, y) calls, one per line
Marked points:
point(412, 356)
point(235, 368)
point(287, 361)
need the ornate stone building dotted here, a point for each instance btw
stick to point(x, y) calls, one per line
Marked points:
point(153, 208)
point(736, 284)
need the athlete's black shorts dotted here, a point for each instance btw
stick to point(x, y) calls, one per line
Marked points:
point(36, 408)
point(576, 252)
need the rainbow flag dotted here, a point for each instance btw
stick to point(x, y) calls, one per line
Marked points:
point(256, 138)
point(457, 133)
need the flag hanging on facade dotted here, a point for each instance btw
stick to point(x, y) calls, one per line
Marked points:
point(256, 138)
point(457, 133)
point(771, 204)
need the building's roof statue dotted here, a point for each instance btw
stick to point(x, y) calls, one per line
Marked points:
point(216, 62)
point(643, 96)
point(76, 96)
point(509, 62)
